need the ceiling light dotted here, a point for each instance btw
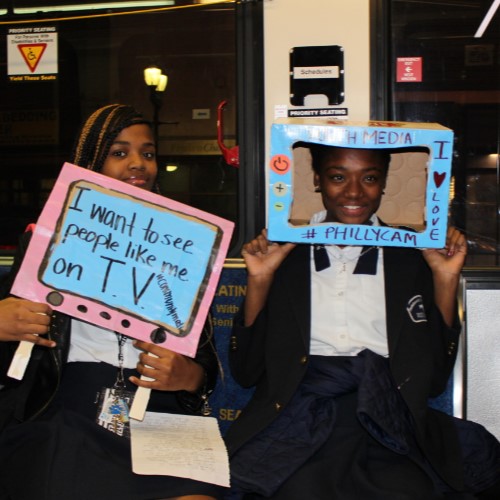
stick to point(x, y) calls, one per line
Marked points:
point(155, 78)
point(487, 18)
point(93, 6)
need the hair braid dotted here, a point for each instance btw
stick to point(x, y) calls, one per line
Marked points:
point(99, 131)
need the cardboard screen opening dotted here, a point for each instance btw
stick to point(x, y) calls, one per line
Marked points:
point(404, 199)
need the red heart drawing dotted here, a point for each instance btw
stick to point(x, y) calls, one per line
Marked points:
point(439, 178)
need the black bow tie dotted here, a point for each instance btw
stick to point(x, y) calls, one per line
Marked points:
point(367, 260)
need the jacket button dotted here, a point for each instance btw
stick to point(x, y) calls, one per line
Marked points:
point(233, 344)
point(277, 406)
point(303, 360)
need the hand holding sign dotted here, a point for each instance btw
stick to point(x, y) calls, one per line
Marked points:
point(24, 320)
point(163, 370)
point(166, 370)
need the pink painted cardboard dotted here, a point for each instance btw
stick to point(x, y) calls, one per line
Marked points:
point(125, 259)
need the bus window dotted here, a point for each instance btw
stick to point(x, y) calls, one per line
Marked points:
point(445, 70)
point(100, 59)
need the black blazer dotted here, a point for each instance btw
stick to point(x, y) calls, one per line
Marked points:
point(273, 354)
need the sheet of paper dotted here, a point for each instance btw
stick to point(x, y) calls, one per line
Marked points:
point(179, 445)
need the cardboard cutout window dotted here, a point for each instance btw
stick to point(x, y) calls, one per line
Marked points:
point(403, 202)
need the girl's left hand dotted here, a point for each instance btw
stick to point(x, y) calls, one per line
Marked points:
point(451, 258)
point(169, 371)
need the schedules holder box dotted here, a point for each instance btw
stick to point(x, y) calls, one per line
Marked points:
point(394, 137)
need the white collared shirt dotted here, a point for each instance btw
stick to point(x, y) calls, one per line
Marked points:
point(347, 310)
point(92, 344)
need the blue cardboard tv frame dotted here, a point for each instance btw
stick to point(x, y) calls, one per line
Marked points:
point(438, 140)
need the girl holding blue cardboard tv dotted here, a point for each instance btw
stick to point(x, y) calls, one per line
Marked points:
point(344, 346)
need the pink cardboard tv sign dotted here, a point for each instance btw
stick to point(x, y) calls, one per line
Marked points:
point(125, 259)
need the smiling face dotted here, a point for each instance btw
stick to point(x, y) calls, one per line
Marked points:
point(352, 182)
point(132, 157)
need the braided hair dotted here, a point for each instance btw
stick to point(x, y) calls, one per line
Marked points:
point(99, 132)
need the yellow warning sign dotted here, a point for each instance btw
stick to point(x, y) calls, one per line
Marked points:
point(32, 53)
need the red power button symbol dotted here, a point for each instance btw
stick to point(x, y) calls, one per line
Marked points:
point(280, 164)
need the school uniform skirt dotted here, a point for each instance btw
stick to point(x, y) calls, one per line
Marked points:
point(347, 454)
point(66, 455)
point(352, 465)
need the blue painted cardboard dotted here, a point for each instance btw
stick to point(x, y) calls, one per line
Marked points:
point(438, 140)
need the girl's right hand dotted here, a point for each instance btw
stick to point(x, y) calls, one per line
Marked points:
point(22, 319)
point(263, 257)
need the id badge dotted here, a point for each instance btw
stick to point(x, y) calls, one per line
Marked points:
point(113, 410)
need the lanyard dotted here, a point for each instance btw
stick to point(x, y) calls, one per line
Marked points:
point(120, 379)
